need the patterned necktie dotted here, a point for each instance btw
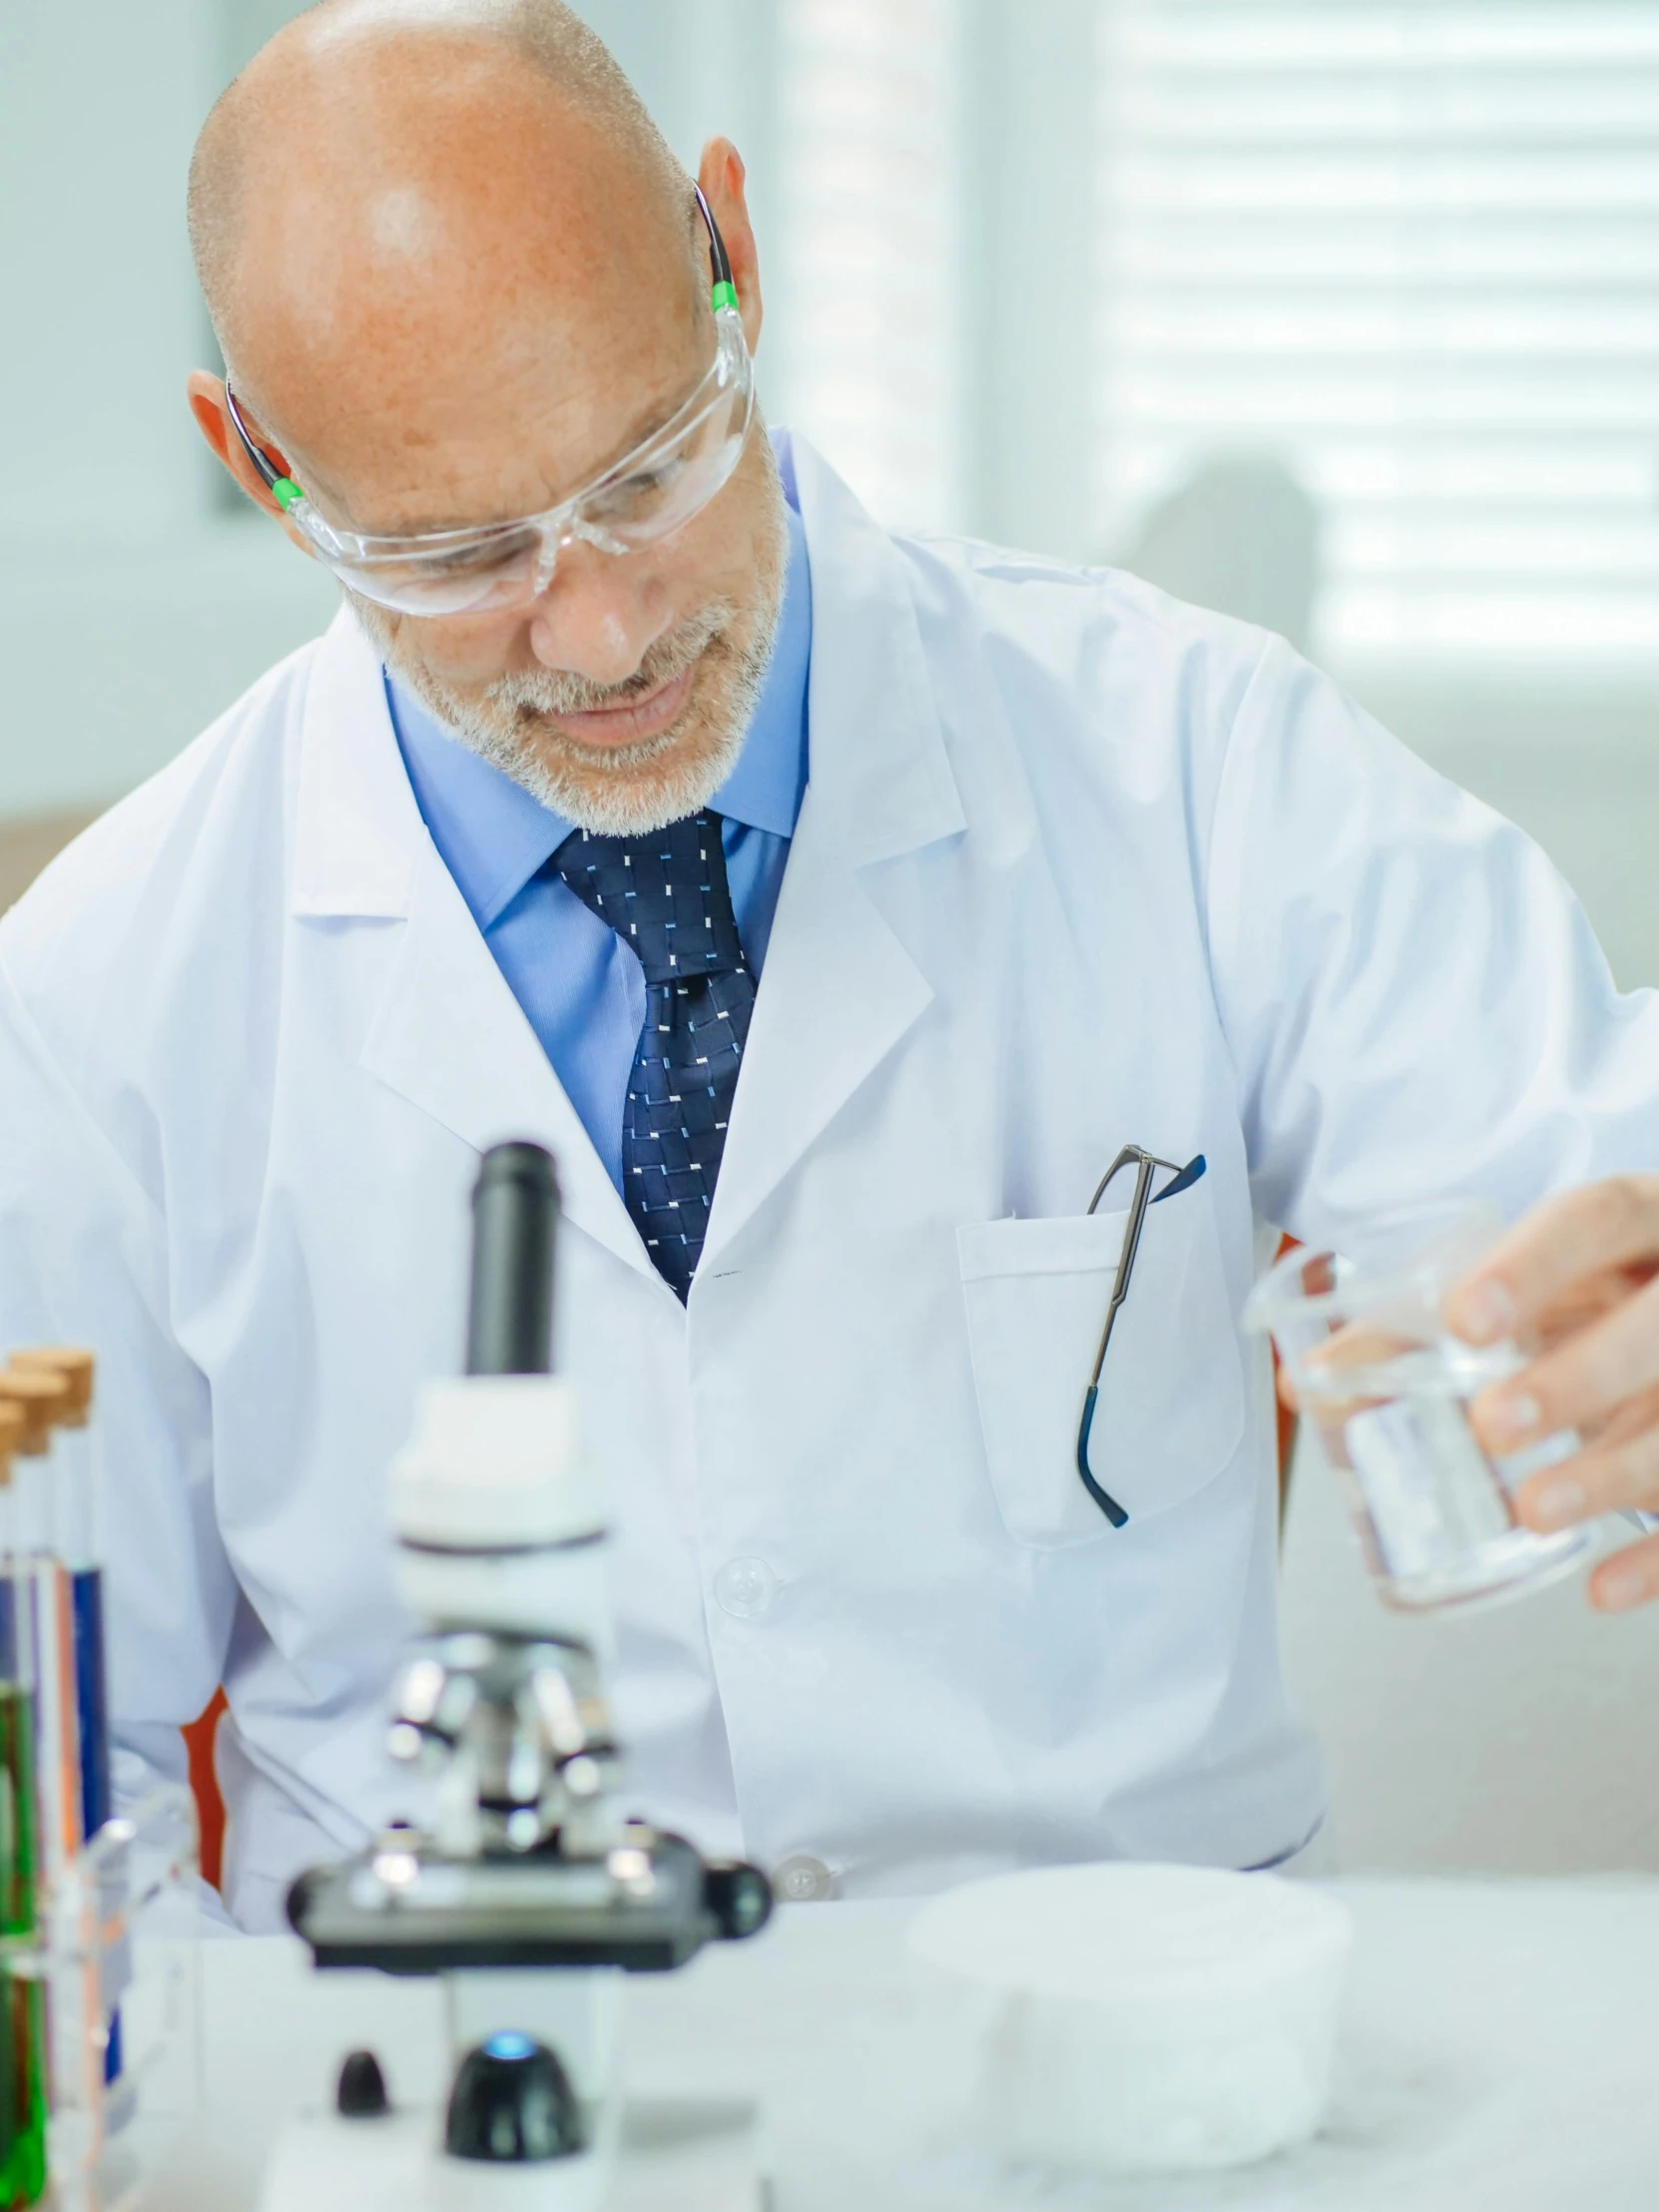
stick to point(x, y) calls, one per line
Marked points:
point(665, 897)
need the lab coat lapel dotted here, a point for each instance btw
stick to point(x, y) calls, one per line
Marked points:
point(840, 988)
point(450, 1037)
point(447, 1033)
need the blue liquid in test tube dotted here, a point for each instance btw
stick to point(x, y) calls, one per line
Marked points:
point(75, 1540)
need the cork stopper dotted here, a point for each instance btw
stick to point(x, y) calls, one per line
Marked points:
point(75, 1365)
point(42, 1398)
point(13, 1422)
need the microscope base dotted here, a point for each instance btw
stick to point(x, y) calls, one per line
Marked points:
point(697, 2157)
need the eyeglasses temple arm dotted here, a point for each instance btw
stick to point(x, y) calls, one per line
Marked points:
point(1129, 1152)
point(1126, 1258)
point(1192, 1172)
point(724, 292)
point(282, 488)
point(1144, 1172)
point(1108, 1504)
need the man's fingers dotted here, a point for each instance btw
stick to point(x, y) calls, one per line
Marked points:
point(1586, 1301)
point(1602, 1225)
point(1608, 1480)
point(1579, 1383)
point(1629, 1578)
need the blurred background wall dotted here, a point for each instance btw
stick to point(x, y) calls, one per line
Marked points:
point(1336, 313)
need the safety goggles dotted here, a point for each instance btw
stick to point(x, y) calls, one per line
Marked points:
point(646, 496)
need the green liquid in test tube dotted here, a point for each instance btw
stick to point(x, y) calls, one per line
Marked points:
point(22, 2000)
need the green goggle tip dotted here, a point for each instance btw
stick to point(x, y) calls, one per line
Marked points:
point(724, 295)
point(285, 491)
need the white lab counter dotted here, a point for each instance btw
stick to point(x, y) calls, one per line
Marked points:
point(1500, 2047)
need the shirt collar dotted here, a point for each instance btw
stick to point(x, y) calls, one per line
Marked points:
point(493, 836)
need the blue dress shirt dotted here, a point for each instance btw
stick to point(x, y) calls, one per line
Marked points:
point(582, 990)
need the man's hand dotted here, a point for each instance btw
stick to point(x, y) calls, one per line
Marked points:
point(1574, 1283)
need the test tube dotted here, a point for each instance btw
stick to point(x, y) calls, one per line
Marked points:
point(76, 1542)
point(22, 1998)
point(75, 1524)
point(13, 1422)
point(44, 1397)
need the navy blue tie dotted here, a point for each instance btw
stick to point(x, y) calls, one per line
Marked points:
point(665, 897)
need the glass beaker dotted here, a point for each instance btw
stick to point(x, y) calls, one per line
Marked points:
point(1386, 1388)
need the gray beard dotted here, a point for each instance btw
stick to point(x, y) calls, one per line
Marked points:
point(612, 793)
point(630, 800)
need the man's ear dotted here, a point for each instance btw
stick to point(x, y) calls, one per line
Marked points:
point(721, 175)
point(205, 394)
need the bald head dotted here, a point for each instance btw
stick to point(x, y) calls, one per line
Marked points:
point(397, 180)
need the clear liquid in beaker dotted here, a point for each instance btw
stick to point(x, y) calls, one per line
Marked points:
point(1433, 1511)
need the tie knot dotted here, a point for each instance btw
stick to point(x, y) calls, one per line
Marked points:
point(664, 893)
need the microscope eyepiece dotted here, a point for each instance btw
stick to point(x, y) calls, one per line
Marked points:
point(515, 1220)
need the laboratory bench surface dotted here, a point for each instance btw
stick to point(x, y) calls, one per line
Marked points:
point(1499, 2046)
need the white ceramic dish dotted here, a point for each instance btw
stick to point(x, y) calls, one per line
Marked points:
point(1134, 2018)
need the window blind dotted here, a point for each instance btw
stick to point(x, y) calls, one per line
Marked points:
point(1413, 250)
point(867, 195)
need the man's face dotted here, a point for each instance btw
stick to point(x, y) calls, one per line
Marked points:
point(622, 696)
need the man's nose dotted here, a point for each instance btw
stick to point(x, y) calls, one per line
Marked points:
point(599, 617)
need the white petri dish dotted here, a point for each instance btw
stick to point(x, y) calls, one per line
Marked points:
point(1134, 2018)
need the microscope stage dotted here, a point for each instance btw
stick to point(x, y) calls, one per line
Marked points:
point(432, 1915)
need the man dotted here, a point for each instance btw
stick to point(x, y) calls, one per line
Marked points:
point(528, 845)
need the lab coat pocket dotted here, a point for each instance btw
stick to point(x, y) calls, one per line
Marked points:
point(1172, 1401)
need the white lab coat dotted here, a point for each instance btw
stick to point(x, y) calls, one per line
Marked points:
point(1077, 866)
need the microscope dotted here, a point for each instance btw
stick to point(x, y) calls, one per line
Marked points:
point(529, 1893)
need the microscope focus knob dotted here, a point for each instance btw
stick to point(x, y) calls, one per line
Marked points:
point(360, 2094)
point(739, 1898)
point(512, 2104)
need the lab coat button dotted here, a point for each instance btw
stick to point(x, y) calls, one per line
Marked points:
point(746, 1588)
point(802, 1880)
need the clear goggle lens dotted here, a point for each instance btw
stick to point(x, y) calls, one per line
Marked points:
point(652, 493)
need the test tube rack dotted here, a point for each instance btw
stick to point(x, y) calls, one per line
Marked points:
point(111, 1929)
